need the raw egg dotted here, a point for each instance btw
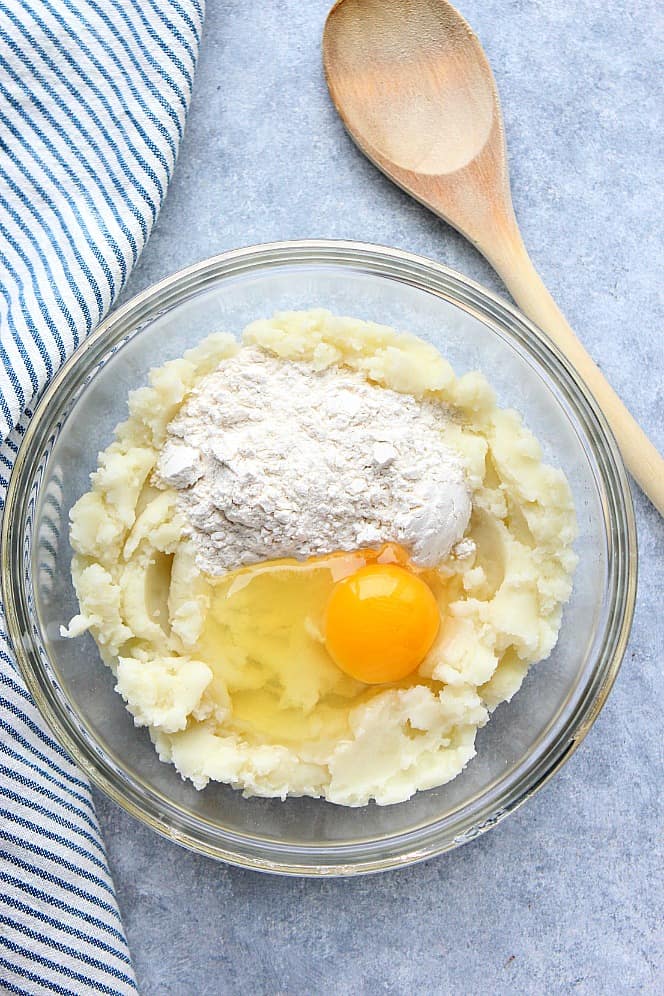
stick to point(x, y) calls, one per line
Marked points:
point(292, 644)
point(380, 623)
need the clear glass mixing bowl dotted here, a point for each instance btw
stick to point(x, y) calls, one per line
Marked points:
point(526, 740)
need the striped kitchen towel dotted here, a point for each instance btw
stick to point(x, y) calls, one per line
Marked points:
point(93, 100)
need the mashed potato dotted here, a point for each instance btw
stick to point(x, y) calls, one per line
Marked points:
point(145, 602)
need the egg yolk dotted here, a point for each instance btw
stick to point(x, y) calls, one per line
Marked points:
point(381, 622)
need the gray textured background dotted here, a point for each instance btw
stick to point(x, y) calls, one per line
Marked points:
point(564, 896)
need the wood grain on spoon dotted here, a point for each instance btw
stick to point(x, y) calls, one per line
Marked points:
point(414, 88)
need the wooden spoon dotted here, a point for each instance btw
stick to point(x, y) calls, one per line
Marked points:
point(415, 91)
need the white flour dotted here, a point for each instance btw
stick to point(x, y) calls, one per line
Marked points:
point(273, 459)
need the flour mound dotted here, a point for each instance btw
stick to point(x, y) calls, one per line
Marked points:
point(272, 459)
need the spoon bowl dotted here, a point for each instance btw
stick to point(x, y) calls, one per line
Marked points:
point(431, 132)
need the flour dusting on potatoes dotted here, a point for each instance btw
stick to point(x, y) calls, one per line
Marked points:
point(333, 653)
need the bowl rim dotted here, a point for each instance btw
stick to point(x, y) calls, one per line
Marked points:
point(476, 300)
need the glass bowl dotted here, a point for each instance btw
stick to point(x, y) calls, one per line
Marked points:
point(526, 740)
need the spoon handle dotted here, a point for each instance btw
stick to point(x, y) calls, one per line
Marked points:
point(516, 269)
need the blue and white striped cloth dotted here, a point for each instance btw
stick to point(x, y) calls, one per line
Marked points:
point(93, 100)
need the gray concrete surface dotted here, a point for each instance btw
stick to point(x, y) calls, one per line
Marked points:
point(564, 896)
